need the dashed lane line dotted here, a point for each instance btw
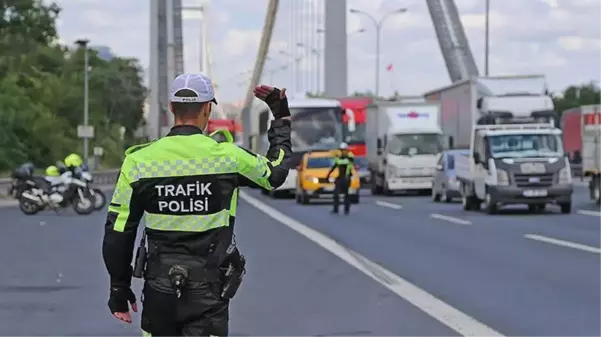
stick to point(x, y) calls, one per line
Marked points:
point(563, 243)
point(388, 204)
point(591, 213)
point(428, 303)
point(450, 219)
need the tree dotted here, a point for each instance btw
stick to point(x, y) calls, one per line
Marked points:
point(41, 91)
point(577, 95)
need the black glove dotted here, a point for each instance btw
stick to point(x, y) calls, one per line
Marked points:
point(119, 298)
point(275, 98)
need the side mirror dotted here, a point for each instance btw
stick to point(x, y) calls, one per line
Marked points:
point(476, 156)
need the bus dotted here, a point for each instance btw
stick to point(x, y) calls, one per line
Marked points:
point(316, 125)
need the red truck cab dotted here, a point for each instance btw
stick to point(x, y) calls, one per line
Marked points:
point(227, 124)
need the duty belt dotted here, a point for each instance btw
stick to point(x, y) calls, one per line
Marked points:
point(198, 270)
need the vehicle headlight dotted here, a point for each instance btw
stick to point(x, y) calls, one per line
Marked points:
point(312, 179)
point(502, 178)
point(565, 176)
point(332, 179)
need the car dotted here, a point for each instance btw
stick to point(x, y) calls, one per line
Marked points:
point(312, 182)
point(445, 186)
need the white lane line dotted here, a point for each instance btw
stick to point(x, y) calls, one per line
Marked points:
point(450, 219)
point(389, 205)
point(563, 243)
point(591, 213)
point(439, 310)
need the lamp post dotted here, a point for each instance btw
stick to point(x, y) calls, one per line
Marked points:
point(486, 36)
point(317, 54)
point(296, 73)
point(378, 25)
point(84, 131)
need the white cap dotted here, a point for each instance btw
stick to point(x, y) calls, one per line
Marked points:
point(343, 146)
point(195, 82)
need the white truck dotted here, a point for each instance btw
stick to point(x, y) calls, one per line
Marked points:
point(516, 150)
point(403, 141)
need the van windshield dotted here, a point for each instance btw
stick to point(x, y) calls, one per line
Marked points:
point(525, 145)
point(414, 144)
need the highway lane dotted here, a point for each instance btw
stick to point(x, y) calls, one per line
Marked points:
point(54, 283)
point(482, 265)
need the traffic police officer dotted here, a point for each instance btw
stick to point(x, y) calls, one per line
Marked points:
point(186, 184)
point(344, 162)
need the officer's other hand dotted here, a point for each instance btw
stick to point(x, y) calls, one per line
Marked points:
point(119, 301)
point(275, 98)
point(269, 94)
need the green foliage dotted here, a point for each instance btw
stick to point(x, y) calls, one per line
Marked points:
point(577, 95)
point(42, 90)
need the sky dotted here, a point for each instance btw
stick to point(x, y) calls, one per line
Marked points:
point(557, 38)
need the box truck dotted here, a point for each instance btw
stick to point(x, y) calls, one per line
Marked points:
point(403, 141)
point(516, 153)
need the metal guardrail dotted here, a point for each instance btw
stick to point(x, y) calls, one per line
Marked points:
point(108, 177)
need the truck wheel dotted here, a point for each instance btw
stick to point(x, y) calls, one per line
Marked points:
point(435, 196)
point(566, 208)
point(490, 205)
point(375, 188)
point(595, 195)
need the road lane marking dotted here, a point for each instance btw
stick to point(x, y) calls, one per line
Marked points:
point(563, 243)
point(426, 302)
point(450, 219)
point(389, 205)
point(591, 213)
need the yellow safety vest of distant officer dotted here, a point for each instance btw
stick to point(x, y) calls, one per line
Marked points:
point(186, 184)
point(344, 162)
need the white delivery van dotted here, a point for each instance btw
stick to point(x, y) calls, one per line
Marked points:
point(403, 141)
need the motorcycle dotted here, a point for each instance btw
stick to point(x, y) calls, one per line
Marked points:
point(98, 196)
point(42, 194)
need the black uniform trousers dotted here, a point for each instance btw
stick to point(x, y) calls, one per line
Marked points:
point(200, 311)
point(341, 187)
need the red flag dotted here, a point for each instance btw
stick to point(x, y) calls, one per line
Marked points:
point(389, 67)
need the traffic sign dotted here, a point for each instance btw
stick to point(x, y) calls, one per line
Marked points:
point(85, 131)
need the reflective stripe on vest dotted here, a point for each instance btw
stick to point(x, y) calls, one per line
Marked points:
point(188, 223)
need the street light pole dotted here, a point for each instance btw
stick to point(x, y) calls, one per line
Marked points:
point(378, 25)
point(295, 74)
point(486, 36)
point(84, 44)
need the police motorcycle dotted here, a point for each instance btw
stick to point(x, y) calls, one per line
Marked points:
point(58, 189)
point(98, 196)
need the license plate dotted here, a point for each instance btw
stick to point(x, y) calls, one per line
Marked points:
point(535, 193)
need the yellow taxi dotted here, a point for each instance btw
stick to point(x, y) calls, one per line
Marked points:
point(311, 181)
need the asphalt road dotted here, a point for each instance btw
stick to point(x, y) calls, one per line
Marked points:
point(448, 271)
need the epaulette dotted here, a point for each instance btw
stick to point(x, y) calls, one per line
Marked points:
point(135, 148)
